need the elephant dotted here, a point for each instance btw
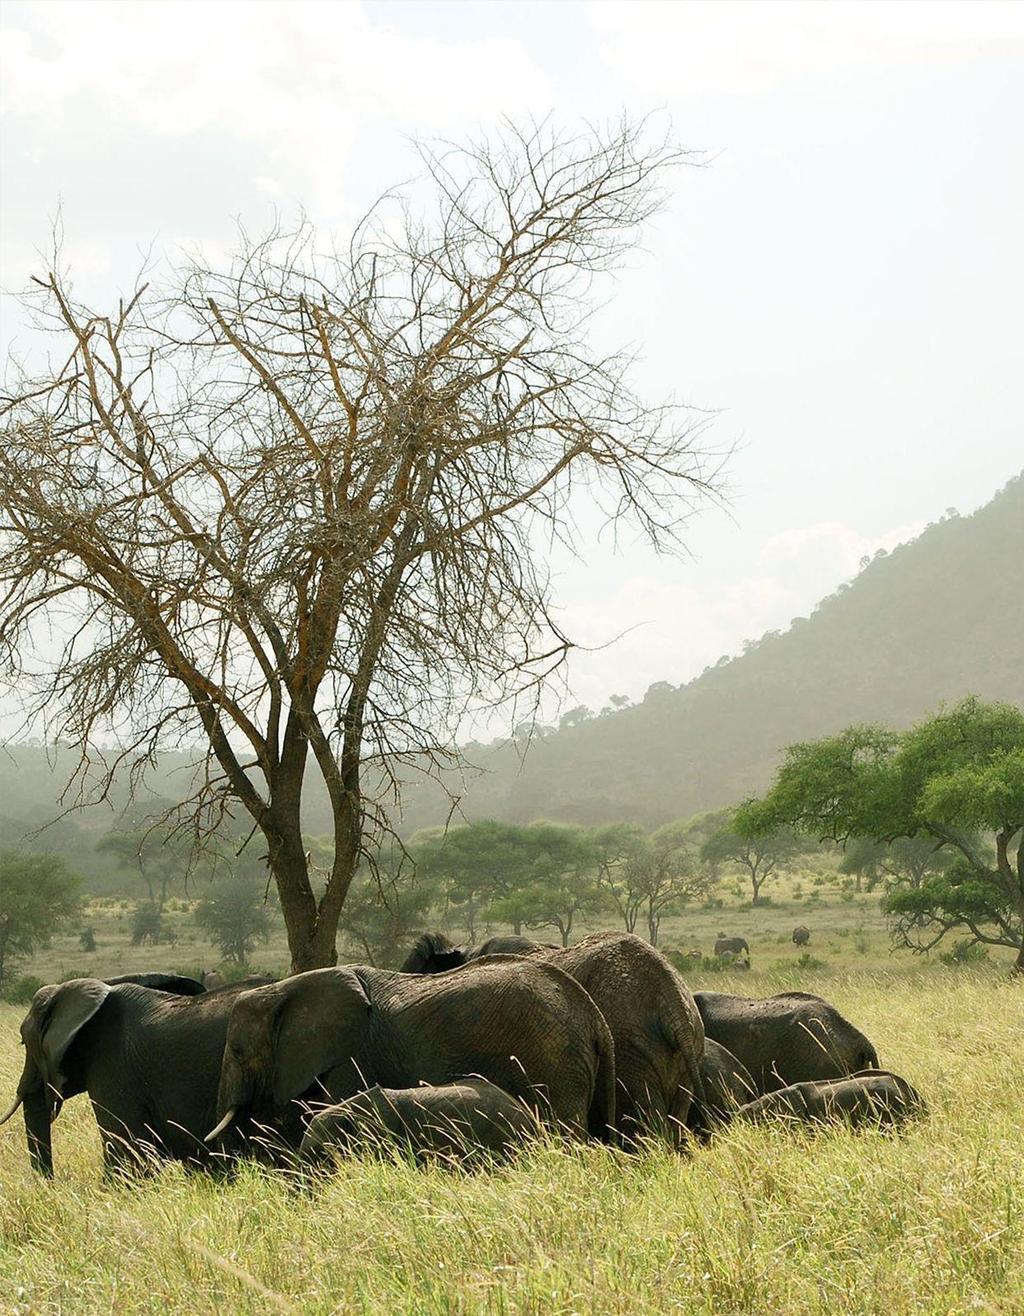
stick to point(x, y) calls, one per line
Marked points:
point(655, 1026)
point(731, 945)
point(212, 979)
point(801, 935)
point(149, 1059)
point(873, 1097)
point(457, 1122)
point(784, 1039)
point(728, 1085)
point(325, 1035)
point(161, 982)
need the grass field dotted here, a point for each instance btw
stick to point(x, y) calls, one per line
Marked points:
point(760, 1222)
point(848, 934)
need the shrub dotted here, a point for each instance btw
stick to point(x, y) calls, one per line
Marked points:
point(19, 991)
point(964, 952)
point(87, 940)
point(146, 925)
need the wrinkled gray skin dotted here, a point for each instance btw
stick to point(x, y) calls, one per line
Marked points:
point(801, 935)
point(148, 1058)
point(784, 1039)
point(161, 982)
point(728, 1085)
point(455, 1122)
point(330, 1033)
point(875, 1098)
point(730, 945)
point(654, 1023)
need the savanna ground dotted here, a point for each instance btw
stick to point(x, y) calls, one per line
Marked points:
point(848, 933)
point(760, 1222)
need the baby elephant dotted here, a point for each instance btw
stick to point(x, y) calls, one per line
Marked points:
point(456, 1122)
point(872, 1097)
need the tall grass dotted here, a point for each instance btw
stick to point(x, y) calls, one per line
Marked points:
point(762, 1221)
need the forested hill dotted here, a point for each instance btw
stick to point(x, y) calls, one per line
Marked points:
point(934, 620)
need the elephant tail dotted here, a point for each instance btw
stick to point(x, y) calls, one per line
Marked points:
point(601, 1117)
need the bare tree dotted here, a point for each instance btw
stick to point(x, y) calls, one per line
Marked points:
point(289, 511)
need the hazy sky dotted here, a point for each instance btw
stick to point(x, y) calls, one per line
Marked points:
point(845, 282)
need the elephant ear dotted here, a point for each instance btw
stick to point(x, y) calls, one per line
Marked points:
point(63, 1013)
point(323, 1023)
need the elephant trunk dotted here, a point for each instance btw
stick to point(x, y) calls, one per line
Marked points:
point(601, 1119)
point(38, 1107)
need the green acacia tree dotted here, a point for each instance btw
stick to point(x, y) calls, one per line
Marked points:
point(956, 778)
point(235, 915)
point(760, 856)
point(38, 895)
point(561, 883)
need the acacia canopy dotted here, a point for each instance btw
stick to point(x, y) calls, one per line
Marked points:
point(286, 511)
point(956, 778)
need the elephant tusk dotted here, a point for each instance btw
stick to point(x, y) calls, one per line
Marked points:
point(5, 1118)
point(214, 1134)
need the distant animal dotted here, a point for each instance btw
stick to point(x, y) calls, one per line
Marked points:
point(873, 1097)
point(649, 1009)
point(149, 1059)
point(727, 1086)
point(801, 935)
point(785, 1039)
point(331, 1033)
point(730, 945)
point(453, 1122)
point(212, 979)
point(695, 956)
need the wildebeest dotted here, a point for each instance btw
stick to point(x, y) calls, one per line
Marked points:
point(731, 945)
point(801, 935)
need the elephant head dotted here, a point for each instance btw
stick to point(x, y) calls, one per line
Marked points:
point(53, 1071)
point(286, 1036)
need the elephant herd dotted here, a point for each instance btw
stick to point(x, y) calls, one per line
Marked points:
point(463, 1053)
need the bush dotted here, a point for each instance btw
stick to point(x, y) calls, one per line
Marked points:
point(964, 953)
point(87, 940)
point(19, 991)
point(805, 961)
point(146, 925)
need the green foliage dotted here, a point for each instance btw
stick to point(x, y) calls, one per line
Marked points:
point(87, 941)
point(235, 916)
point(384, 910)
point(939, 784)
point(147, 924)
point(561, 881)
point(20, 990)
point(964, 953)
point(760, 852)
point(38, 895)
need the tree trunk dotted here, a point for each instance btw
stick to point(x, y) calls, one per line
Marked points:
point(306, 940)
point(1018, 964)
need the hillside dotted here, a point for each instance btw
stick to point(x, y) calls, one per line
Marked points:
point(936, 619)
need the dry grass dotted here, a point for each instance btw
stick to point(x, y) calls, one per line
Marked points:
point(761, 1222)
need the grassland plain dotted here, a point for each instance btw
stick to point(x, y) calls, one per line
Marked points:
point(762, 1221)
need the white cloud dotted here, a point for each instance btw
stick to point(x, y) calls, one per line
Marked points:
point(752, 46)
point(294, 79)
point(653, 629)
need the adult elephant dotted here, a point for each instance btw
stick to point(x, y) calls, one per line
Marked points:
point(728, 1085)
point(654, 1023)
point(148, 1057)
point(320, 1037)
point(731, 945)
point(790, 1038)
